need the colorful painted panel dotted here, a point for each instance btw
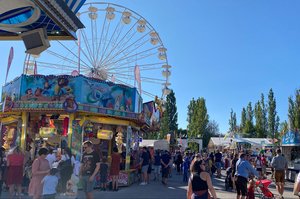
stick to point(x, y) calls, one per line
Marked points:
point(107, 95)
point(72, 94)
point(12, 93)
point(150, 114)
point(47, 88)
point(291, 138)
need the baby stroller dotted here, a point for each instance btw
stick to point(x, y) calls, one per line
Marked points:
point(228, 179)
point(262, 187)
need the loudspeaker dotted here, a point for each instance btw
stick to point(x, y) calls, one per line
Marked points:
point(36, 41)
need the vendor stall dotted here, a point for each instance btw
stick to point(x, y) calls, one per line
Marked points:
point(291, 150)
point(60, 111)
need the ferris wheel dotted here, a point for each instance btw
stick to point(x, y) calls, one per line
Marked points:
point(116, 45)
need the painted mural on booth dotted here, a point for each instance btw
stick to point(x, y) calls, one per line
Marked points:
point(72, 91)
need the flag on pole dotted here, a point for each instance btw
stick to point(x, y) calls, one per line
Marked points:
point(10, 58)
point(137, 76)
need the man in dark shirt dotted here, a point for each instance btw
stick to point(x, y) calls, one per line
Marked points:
point(89, 167)
point(144, 165)
point(165, 160)
point(218, 163)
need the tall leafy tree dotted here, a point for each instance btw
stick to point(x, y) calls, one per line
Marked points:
point(259, 120)
point(297, 110)
point(164, 126)
point(198, 118)
point(291, 114)
point(249, 128)
point(243, 120)
point(271, 114)
point(170, 116)
point(172, 111)
point(232, 122)
point(264, 115)
point(211, 130)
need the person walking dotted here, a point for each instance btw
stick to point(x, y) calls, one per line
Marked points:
point(165, 161)
point(279, 164)
point(115, 168)
point(218, 163)
point(103, 173)
point(200, 185)
point(40, 168)
point(144, 165)
point(15, 164)
point(156, 165)
point(65, 169)
point(243, 170)
point(90, 165)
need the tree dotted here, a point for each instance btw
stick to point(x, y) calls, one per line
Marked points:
point(170, 117)
point(212, 130)
point(259, 120)
point(291, 114)
point(264, 115)
point(249, 127)
point(172, 111)
point(198, 119)
point(271, 114)
point(297, 110)
point(243, 120)
point(232, 122)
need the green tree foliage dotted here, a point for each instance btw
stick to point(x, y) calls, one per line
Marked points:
point(297, 110)
point(170, 117)
point(164, 125)
point(232, 122)
point(294, 112)
point(243, 120)
point(264, 115)
point(259, 120)
point(249, 130)
point(172, 111)
point(197, 118)
point(291, 114)
point(271, 114)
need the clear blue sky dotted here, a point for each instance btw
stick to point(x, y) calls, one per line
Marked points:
point(228, 52)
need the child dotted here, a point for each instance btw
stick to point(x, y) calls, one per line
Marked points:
point(251, 187)
point(50, 182)
point(72, 187)
point(186, 166)
point(103, 173)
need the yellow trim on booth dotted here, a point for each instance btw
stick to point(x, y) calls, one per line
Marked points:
point(24, 129)
point(70, 129)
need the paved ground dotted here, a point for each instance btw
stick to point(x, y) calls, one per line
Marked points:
point(175, 189)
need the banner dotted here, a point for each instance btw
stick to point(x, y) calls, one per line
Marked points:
point(10, 58)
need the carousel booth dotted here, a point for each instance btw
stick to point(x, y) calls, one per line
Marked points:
point(291, 150)
point(67, 110)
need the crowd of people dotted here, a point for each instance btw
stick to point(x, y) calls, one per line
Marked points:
point(55, 172)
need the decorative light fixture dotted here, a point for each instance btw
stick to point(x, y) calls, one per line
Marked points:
point(142, 26)
point(110, 15)
point(126, 17)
